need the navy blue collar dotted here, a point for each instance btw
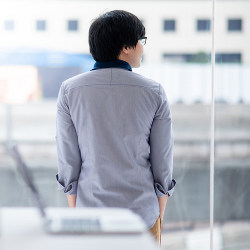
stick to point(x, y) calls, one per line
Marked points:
point(112, 64)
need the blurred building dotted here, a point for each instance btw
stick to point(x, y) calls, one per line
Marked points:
point(178, 31)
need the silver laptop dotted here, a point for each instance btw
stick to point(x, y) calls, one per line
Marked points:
point(79, 220)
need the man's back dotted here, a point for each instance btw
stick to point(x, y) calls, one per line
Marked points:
point(109, 113)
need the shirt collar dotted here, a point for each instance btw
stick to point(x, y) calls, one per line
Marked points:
point(112, 64)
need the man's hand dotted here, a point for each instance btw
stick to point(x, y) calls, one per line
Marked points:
point(162, 204)
point(71, 200)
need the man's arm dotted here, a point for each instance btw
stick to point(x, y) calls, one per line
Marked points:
point(162, 204)
point(71, 200)
point(161, 151)
point(68, 152)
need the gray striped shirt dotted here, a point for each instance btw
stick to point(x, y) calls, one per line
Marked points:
point(115, 141)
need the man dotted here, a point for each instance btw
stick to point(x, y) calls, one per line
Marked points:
point(114, 132)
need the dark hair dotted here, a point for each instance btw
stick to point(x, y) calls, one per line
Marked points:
point(113, 30)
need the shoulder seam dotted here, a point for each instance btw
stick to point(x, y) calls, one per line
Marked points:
point(89, 85)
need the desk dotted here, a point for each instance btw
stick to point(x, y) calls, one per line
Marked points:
point(20, 229)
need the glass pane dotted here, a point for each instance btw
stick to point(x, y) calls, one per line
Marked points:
point(9, 25)
point(234, 24)
point(203, 25)
point(72, 25)
point(181, 62)
point(40, 25)
point(169, 25)
point(32, 70)
point(232, 126)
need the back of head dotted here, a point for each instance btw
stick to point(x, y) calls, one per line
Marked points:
point(113, 30)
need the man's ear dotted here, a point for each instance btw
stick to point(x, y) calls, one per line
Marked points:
point(125, 49)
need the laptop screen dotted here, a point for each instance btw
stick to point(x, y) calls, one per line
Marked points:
point(26, 175)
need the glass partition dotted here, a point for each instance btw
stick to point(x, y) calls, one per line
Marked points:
point(39, 51)
point(232, 124)
point(178, 55)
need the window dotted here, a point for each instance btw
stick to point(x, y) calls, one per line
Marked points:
point(169, 25)
point(72, 25)
point(9, 25)
point(174, 57)
point(234, 25)
point(199, 57)
point(202, 57)
point(228, 57)
point(203, 25)
point(40, 25)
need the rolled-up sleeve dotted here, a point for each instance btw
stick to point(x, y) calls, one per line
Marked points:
point(68, 153)
point(161, 147)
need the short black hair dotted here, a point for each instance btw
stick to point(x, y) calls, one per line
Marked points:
point(111, 31)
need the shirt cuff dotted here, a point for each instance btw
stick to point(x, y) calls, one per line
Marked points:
point(71, 188)
point(160, 190)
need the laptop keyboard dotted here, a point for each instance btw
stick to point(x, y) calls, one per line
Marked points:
point(80, 225)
